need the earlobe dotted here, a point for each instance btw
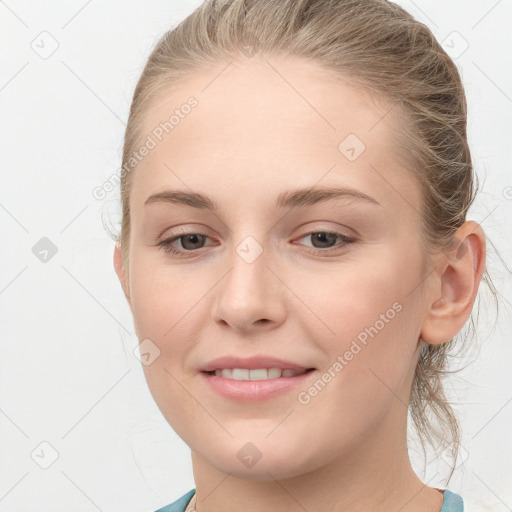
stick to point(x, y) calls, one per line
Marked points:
point(120, 271)
point(462, 266)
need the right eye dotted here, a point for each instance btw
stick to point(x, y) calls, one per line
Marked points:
point(189, 242)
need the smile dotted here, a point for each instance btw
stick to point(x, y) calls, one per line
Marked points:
point(244, 385)
point(256, 374)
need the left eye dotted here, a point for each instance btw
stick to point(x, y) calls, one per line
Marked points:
point(190, 242)
point(327, 240)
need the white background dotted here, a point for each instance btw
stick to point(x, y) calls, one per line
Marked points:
point(67, 373)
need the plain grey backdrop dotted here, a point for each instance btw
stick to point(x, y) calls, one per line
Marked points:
point(78, 427)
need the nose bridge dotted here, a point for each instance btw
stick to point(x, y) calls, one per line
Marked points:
point(250, 291)
point(248, 280)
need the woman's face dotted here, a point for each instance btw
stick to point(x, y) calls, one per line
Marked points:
point(264, 277)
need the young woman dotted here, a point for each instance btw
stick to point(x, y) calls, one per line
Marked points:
point(295, 250)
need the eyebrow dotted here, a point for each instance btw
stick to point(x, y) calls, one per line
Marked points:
point(289, 199)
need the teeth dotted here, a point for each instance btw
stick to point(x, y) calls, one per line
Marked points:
point(274, 373)
point(257, 374)
point(289, 373)
point(240, 374)
point(225, 373)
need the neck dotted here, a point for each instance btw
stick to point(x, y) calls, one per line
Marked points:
point(374, 476)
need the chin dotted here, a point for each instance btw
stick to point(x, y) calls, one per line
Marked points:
point(259, 461)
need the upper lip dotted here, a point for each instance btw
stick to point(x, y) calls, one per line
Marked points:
point(251, 363)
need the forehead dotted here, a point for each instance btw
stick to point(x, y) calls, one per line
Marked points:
point(275, 122)
point(268, 96)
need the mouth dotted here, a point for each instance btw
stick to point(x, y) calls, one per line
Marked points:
point(250, 385)
point(257, 373)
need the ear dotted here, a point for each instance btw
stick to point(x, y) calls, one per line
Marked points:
point(121, 273)
point(456, 286)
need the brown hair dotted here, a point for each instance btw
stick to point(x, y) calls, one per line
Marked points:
point(375, 45)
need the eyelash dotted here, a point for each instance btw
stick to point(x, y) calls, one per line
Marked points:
point(166, 246)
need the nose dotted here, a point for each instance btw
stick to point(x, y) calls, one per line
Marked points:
point(251, 296)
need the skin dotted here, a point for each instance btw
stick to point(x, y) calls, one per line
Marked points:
point(253, 136)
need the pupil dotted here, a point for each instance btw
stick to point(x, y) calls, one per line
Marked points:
point(194, 239)
point(323, 236)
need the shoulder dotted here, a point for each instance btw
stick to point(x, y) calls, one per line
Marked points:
point(179, 505)
point(452, 502)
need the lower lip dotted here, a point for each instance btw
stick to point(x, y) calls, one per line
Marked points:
point(252, 390)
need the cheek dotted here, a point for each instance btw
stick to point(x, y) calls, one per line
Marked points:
point(166, 310)
point(351, 300)
point(370, 324)
point(165, 303)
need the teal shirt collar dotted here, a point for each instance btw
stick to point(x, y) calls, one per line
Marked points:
point(451, 503)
